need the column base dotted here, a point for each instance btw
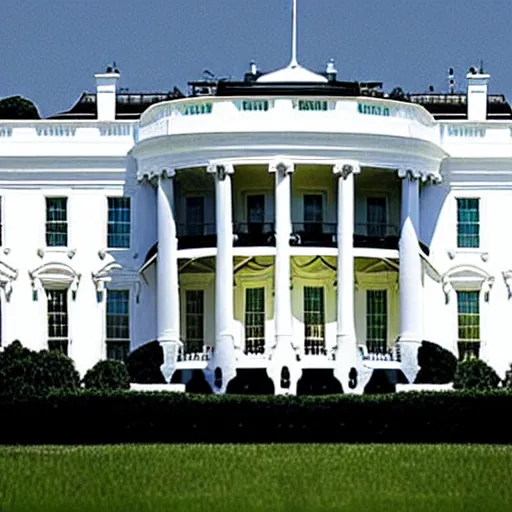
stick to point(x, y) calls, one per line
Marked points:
point(409, 357)
point(349, 369)
point(222, 367)
point(284, 369)
point(170, 349)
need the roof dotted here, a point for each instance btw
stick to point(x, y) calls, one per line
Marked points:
point(129, 105)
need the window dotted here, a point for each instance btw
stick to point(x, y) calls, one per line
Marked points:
point(314, 320)
point(194, 321)
point(313, 213)
point(255, 213)
point(195, 216)
point(468, 308)
point(56, 222)
point(468, 223)
point(57, 320)
point(118, 227)
point(376, 321)
point(118, 324)
point(255, 320)
point(376, 216)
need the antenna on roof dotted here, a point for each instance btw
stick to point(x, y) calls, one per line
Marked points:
point(294, 62)
point(451, 81)
point(481, 67)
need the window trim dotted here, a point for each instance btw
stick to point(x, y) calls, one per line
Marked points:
point(478, 248)
point(255, 286)
point(130, 237)
point(387, 299)
point(185, 316)
point(67, 222)
point(129, 291)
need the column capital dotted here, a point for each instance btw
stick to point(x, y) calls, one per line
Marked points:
point(282, 166)
point(419, 174)
point(166, 173)
point(220, 170)
point(346, 168)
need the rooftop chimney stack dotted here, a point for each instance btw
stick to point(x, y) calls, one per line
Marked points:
point(331, 71)
point(106, 87)
point(477, 94)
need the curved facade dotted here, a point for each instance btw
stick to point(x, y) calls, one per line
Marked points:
point(269, 237)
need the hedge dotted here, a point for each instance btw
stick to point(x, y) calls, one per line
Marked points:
point(88, 417)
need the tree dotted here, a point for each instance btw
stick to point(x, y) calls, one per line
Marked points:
point(16, 107)
point(107, 374)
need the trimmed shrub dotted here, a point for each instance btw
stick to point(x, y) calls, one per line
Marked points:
point(507, 383)
point(437, 365)
point(108, 375)
point(101, 417)
point(144, 363)
point(24, 372)
point(475, 374)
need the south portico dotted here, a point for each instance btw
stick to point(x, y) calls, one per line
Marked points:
point(283, 359)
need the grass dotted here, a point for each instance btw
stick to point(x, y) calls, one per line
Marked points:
point(250, 478)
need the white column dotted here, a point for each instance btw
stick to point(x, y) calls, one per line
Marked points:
point(168, 303)
point(283, 301)
point(410, 274)
point(346, 345)
point(224, 355)
point(285, 351)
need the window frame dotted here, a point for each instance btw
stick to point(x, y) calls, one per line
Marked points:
point(109, 223)
point(386, 215)
point(459, 224)
point(55, 342)
point(383, 348)
point(258, 349)
point(322, 344)
point(56, 222)
point(470, 346)
point(118, 341)
point(187, 348)
point(201, 229)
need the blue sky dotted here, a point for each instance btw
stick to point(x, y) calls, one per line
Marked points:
point(51, 49)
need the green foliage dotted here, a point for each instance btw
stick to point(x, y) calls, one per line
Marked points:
point(475, 374)
point(108, 375)
point(24, 372)
point(437, 365)
point(99, 417)
point(508, 379)
point(144, 363)
point(16, 107)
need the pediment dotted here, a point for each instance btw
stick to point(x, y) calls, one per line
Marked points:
point(55, 275)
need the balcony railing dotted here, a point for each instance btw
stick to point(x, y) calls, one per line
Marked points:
point(379, 352)
point(254, 234)
point(196, 235)
point(318, 234)
point(376, 236)
point(195, 351)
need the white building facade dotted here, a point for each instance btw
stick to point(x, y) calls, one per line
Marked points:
point(282, 225)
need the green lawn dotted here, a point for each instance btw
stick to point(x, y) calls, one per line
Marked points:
point(274, 478)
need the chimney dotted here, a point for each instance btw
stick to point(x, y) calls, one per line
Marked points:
point(477, 94)
point(331, 71)
point(106, 86)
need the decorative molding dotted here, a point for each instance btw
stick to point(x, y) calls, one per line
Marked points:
point(282, 166)
point(102, 253)
point(54, 275)
point(345, 169)
point(419, 174)
point(220, 170)
point(7, 251)
point(467, 277)
point(507, 277)
point(40, 252)
point(71, 253)
point(155, 168)
point(7, 276)
point(103, 276)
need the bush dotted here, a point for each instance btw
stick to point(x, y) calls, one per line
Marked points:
point(110, 375)
point(507, 383)
point(101, 417)
point(144, 363)
point(437, 365)
point(24, 372)
point(475, 374)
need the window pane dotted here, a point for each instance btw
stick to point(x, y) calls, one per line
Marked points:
point(256, 208)
point(195, 215)
point(118, 227)
point(57, 310)
point(468, 222)
point(255, 320)
point(56, 222)
point(194, 321)
point(376, 216)
point(314, 320)
point(376, 321)
point(313, 208)
point(118, 324)
point(468, 308)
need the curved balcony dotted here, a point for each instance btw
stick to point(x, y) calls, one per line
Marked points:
point(376, 236)
point(316, 234)
point(254, 234)
point(195, 236)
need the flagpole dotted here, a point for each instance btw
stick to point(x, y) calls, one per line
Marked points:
point(294, 62)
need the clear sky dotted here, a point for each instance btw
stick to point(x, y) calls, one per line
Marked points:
point(50, 49)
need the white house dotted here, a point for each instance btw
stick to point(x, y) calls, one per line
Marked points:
point(284, 224)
